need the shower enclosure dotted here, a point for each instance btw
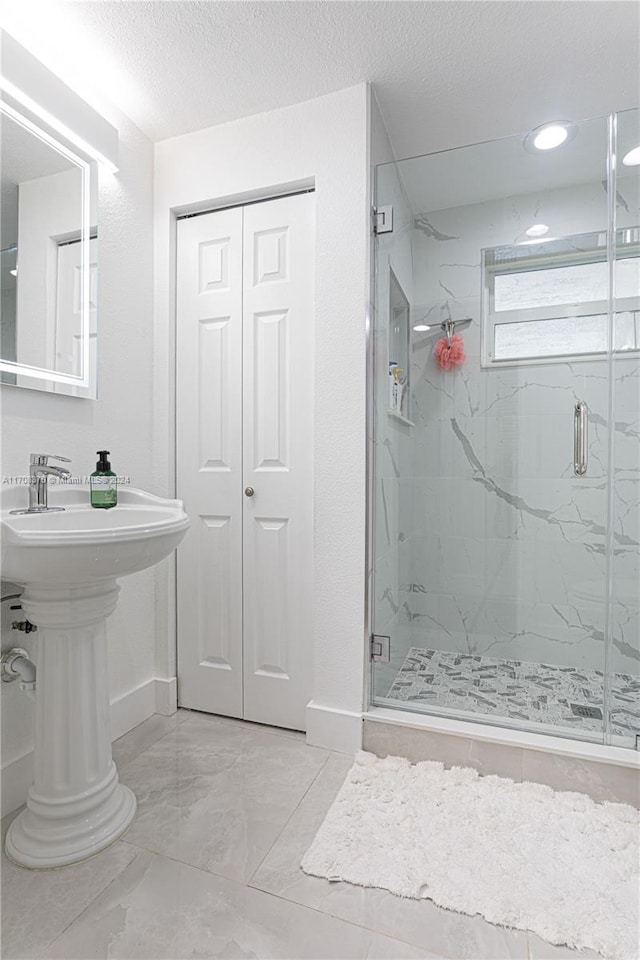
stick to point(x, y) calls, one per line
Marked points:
point(505, 435)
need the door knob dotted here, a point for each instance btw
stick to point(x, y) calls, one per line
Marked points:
point(249, 491)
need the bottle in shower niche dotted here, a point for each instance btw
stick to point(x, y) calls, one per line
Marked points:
point(392, 384)
point(103, 483)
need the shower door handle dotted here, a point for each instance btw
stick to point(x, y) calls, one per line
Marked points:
point(580, 439)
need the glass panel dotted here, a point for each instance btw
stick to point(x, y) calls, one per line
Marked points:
point(551, 338)
point(489, 551)
point(580, 283)
point(564, 336)
point(623, 667)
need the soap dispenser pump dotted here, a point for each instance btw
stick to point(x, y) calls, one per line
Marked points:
point(104, 484)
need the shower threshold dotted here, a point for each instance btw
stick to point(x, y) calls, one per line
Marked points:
point(567, 699)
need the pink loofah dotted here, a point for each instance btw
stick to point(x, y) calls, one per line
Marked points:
point(450, 356)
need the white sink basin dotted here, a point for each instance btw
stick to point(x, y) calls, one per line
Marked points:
point(82, 544)
point(69, 562)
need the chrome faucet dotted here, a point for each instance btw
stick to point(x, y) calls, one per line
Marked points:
point(39, 473)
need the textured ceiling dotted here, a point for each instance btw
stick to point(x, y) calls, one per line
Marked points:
point(445, 73)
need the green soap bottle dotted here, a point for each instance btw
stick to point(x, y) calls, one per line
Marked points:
point(104, 485)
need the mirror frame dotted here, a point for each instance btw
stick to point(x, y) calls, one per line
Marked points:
point(42, 373)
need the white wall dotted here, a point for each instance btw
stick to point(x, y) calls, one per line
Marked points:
point(322, 142)
point(120, 420)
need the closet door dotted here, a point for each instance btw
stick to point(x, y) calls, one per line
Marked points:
point(278, 302)
point(209, 460)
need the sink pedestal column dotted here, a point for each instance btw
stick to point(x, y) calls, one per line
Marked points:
point(76, 805)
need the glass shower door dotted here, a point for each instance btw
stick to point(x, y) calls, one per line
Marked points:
point(492, 533)
point(623, 622)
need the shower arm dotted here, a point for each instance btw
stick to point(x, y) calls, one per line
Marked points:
point(449, 327)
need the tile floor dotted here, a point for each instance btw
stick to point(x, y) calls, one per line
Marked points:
point(210, 867)
point(542, 692)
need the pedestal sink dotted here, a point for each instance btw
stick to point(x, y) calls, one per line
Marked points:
point(69, 563)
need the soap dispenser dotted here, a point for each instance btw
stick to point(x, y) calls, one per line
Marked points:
point(104, 484)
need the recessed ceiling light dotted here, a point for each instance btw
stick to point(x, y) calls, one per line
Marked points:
point(632, 159)
point(549, 136)
point(421, 328)
point(537, 230)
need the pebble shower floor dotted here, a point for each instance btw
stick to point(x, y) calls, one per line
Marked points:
point(542, 692)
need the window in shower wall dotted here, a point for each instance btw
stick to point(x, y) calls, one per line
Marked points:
point(490, 555)
point(550, 300)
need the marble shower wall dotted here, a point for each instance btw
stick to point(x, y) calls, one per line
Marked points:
point(507, 545)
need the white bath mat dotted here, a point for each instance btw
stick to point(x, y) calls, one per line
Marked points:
point(519, 854)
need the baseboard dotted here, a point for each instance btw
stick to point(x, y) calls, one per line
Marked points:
point(127, 711)
point(333, 729)
point(132, 708)
point(166, 696)
point(17, 777)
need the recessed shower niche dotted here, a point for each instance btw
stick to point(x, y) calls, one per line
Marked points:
point(399, 366)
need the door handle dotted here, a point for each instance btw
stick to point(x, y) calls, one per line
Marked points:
point(249, 491)
point(580, 438)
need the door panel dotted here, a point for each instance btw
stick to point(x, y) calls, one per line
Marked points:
point(213, 382)
point(215, 633)
point(278, 459)
point(271, 391)
point(209, 461)
point(270, 576)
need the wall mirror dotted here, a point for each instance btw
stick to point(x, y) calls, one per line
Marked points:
point(48, 242)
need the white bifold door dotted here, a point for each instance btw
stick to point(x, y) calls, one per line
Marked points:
point(244, 398)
